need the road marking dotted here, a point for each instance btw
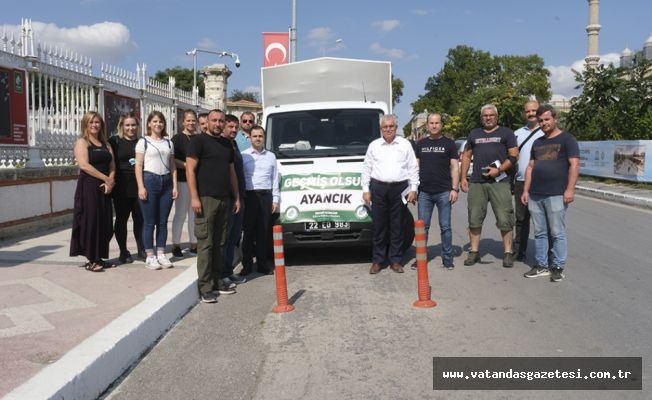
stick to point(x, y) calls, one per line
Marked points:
point(30, 318)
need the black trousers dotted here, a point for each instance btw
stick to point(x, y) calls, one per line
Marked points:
point(387, 213)
point(522, 226)
point(125, 206)
point(257, 219)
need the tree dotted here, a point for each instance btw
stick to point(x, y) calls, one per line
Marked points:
point(471, 78)
point(615, 104)
point(183, 78)
point(242, 95)
point(397, 90)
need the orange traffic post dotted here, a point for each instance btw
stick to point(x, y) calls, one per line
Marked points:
point(282, 304)
point(423, 283)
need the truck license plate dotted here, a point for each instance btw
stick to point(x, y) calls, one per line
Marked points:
point(327, 225)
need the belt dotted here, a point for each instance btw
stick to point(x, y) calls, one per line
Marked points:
point(260, 191)
point(388, 183)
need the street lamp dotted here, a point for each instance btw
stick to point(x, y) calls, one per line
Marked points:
point(194, 52)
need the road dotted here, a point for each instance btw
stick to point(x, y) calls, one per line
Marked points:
point(357, 336)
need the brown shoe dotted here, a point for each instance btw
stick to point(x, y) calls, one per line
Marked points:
point(375, 268)
point(398, 268)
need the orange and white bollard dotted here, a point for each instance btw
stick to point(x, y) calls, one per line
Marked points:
point(279, 271)
point(423, 283)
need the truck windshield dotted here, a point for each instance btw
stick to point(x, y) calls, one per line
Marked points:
point(322, 133)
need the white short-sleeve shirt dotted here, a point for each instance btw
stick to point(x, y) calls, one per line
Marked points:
point(157, 156)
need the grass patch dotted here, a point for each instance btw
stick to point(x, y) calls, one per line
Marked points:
point(612, 181)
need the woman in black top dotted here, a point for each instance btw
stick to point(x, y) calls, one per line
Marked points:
point(93, 217)
point(125, 193)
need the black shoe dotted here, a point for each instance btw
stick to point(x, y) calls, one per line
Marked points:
point(141, 256)
point(126, 258)
point(209, 297)
point(520, 257)
point(176, 252)
point(193, 250)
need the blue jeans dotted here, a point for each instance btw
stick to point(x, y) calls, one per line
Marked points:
point(233, 234)
point(426, 203)
point(156, 209)
point(548, 215)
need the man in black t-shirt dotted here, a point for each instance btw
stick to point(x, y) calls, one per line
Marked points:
point(438, 182)
point(494, 151)
point(212, 181)
point(549, 188)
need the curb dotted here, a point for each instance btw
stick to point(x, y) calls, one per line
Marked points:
point(87, 370)
point(632, 200)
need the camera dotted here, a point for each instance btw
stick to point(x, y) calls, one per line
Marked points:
point(237, 63)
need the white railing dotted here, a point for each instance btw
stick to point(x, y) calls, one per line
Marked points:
point(61, 87)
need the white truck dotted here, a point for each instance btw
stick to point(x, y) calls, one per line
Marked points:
point(320, 115)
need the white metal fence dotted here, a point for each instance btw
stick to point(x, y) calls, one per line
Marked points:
point(60, 88)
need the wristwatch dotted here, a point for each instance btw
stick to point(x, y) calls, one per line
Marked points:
point(456, 190)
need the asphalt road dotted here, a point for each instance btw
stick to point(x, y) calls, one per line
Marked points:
point(357, 336)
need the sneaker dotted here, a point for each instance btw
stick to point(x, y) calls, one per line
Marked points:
point(508, 261)
point(209, 297)
point(163, 261)
point(229, 283)
point(449, 267)
point(414, 266)
point(237, 279)
point(176, 252)
point(193, 250)
point(152, 263)
point(222, 288)
point(537, 271)
point(472, 258)
point(557, 275)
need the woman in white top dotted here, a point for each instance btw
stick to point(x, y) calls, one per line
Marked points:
point(156, 175)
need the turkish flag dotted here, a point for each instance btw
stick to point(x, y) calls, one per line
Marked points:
point(276, 47)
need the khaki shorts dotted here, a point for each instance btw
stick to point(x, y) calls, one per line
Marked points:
point(499, 194)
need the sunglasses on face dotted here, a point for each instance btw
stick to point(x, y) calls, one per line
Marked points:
point(247, 121)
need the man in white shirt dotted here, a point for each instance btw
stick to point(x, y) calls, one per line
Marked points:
point(390, 168)
point(525, 136)
point(261, 200)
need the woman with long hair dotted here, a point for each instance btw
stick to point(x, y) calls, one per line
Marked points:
point(156, 175)
point(93, 217)
point(182, 203)
point(125, 193)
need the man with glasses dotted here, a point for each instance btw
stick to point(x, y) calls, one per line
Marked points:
point(494, 150)
point(389, 169)
point(247, 121)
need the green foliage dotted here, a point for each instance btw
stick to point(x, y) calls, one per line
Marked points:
point(397, 90)
point(242, 95)
point(183, 78)
point(472, 78)
point(615, 104)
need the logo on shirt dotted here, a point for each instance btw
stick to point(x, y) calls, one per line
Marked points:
point(487, 140)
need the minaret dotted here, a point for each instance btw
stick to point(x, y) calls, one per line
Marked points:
point(592, 29)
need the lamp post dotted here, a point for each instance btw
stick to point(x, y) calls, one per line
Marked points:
point(194, 52)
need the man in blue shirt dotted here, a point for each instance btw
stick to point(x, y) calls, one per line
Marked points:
point(262, 199)
point(234, 224)
point(247, 121)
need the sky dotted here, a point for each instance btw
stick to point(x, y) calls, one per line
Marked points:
point(415, 35)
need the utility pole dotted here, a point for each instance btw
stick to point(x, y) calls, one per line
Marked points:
point(293, 33)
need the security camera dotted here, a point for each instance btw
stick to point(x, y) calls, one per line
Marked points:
point(237, 63)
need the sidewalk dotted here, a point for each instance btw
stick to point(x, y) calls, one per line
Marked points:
point(49, 304)
point(68, 332)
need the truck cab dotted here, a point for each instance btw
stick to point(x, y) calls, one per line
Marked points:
point(320, 116)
